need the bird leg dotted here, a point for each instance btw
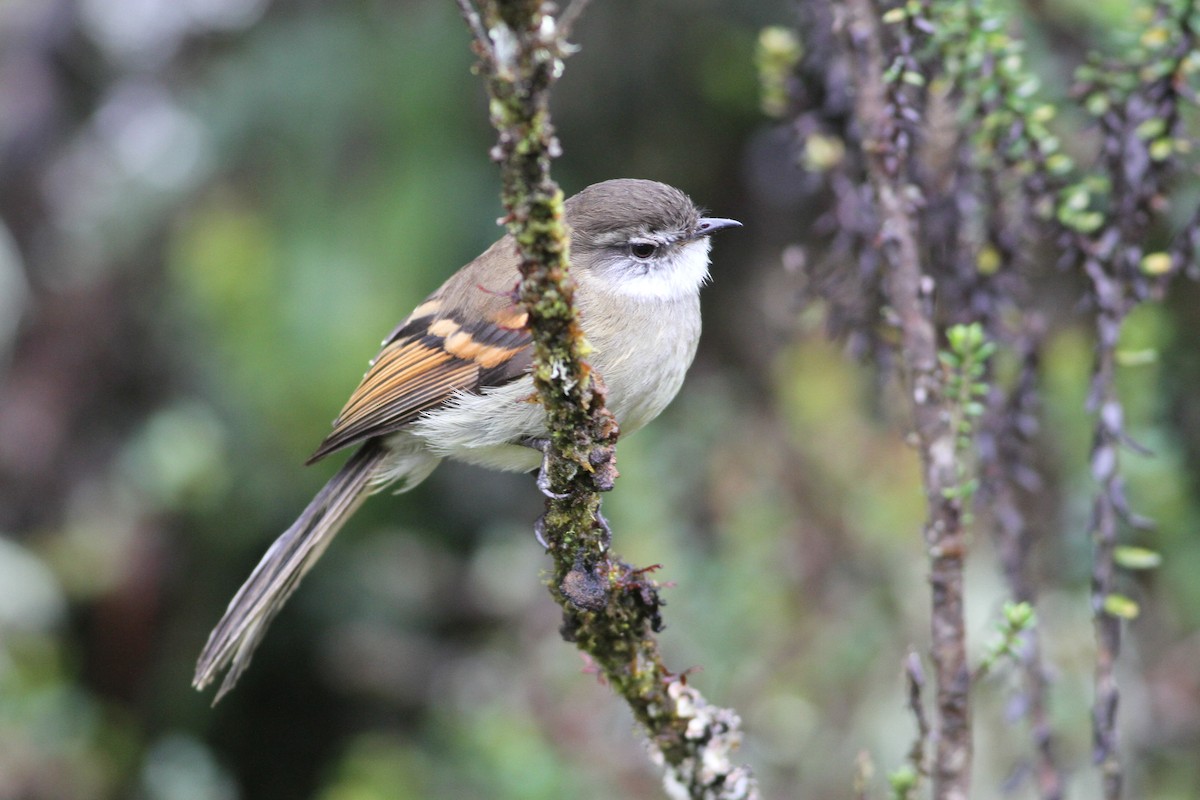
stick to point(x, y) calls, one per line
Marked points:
point(543, 484)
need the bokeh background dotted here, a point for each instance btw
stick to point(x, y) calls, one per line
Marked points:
point(212, 212)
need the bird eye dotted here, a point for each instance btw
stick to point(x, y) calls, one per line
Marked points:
point(643, 249)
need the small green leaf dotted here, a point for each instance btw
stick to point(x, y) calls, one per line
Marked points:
point(893, 72)
point(1089, 222)
point(1151, 128)
point(1077, 199)
point(1121, 606)
point(1019, 616)
point(1131, 557)
point(1059, 164)
point(988, 261)
point(1136, 358)
point(903, 781)
point(1161, 149)
point(1097, 103)
point(1027, 87)
point(1155, 37)
point(1043, 113)
point(1157, 263)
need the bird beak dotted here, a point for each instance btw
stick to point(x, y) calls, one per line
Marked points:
point(710, 225)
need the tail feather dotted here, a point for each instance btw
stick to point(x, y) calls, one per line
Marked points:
point(233, 641)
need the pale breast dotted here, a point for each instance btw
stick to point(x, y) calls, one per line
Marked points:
point(644, 362)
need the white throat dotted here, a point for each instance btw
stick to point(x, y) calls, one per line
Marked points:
point(678, 274)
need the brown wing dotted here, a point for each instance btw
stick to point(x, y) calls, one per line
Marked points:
point(429, 357)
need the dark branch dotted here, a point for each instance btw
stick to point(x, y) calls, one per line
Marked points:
point(889, 106)
point(610, 609)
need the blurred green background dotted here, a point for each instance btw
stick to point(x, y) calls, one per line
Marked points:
point(212, 212)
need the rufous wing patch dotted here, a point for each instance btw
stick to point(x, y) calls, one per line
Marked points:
point(512, 318)
point(463, 345)
point(425, 362)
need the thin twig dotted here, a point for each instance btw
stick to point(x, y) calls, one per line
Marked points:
point(1105, 519)
point(1111, 257)
point(914, 677)
point(471, 16)
point(1009, 467)
point(887, 111)
point(571, 14)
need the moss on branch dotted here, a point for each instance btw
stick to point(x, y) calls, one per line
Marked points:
point(610, 609)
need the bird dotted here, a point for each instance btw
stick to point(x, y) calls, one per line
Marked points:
point(453, 379)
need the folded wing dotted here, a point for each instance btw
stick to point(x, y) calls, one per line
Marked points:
point(431, 356)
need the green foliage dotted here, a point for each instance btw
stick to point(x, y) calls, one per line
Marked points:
point(776, 57)
point(1016, 619)
point(965, 364)
point(904, 782)
point(1136, 558)
point(1000, 95)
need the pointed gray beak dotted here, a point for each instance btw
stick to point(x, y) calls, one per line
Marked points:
point(710, 225)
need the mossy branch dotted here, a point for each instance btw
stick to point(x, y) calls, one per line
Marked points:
point(610, 609)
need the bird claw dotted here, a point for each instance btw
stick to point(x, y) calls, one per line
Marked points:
point(539, 530)
point(543, 476)
point(543, 484)
point(602, 524)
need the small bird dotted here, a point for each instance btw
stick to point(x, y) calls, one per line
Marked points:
point(453, 379)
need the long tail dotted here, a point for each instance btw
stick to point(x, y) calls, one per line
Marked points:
point(232, 642)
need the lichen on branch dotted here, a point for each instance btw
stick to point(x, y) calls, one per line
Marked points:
point(610, 609)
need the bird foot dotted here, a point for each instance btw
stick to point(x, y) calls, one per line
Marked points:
point(539, 530)
point(543, 476)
